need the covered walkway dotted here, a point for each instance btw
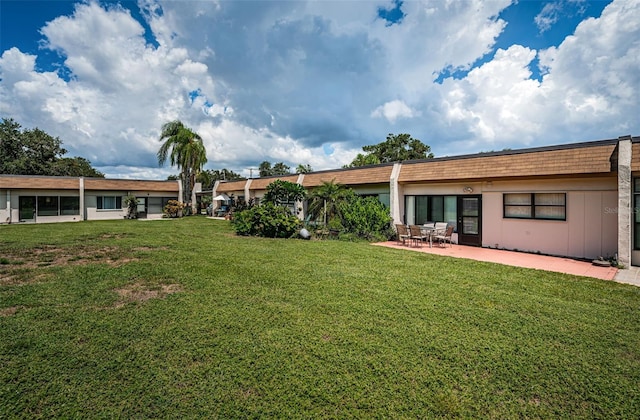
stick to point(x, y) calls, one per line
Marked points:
point(522, 259)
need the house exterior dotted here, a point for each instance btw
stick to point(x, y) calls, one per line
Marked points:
point(575, 200)
point(46, 199)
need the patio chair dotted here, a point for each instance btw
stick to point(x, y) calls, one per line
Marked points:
point(444, 237)
point(402, 233)
point(416, 234)
point(440, 228)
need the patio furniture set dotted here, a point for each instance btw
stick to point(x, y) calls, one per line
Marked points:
point(429, 232)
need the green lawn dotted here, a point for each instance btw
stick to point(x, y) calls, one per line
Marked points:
point(181, 318)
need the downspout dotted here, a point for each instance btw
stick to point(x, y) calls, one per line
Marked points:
point(394, 194)
point(625, 201)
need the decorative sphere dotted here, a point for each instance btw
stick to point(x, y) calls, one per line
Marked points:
point(304, 233)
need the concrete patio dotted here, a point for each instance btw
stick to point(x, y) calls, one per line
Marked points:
point(523, 259)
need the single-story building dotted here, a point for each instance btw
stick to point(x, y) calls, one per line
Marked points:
point(46, 199)
point(576, 200)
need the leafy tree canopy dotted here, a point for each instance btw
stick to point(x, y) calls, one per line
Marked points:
point(304, 169)
point(281, 192)
point(279, 168)
point(209, 177)
point(184, 148)
point(395, 148)
point(34, 152)
point(323, 201)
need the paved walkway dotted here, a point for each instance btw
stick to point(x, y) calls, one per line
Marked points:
point(522, 259)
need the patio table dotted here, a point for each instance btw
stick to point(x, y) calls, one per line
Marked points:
point(428, 231)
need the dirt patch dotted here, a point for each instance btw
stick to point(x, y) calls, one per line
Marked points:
point(139, 292)
point(114, 235)
point(10, 311)
point(151, 248)
point(22, 278)
point(51, 256)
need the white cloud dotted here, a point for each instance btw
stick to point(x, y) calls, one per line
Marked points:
point(548, 16)
point(590, 90)
point(291, 81)
point(393, 110)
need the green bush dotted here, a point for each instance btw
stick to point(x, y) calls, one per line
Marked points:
point(173, 208)
point(365, 217)
point(267, 220)
point(281, 192)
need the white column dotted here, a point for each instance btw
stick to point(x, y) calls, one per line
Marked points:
point(394, 194)
point(247, 190)
point(9, 206)
point(214, 192)
point(625, 201)
point(83, 212)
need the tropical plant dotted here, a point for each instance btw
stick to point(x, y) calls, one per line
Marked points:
point(279, 168)
point(240, 204)
point(131, 202)
point(365, 217)
point(323, 201)
point(303, 169)
point(268, 220)
point(208, 177)
point(184, 149)
point(173, 208)
point(281, 192)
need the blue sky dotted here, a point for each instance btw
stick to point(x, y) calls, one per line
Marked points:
point(311, 82)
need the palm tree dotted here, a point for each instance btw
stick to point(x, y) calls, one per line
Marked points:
point(184, 149)
point(323, 201)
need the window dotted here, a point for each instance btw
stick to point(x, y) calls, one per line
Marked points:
point(48, 206)
point(421, 209)
point(69, 206)
point(109, 203)
point(543, 206)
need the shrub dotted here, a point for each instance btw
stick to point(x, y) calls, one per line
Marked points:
point(132, 206)
point(173, 208)
point(281, 192)
point(366, 217)
point(267, 220)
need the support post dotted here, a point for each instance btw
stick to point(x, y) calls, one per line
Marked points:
point(625, 201)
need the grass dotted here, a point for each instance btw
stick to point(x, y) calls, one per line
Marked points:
point(181, 318)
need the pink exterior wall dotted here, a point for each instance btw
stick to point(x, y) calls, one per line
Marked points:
point(590, 230)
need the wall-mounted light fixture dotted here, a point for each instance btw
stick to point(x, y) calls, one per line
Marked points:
point(467, 190)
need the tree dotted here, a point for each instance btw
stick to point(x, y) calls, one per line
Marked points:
point(303, 169)
point(363, 160)
point(323, 201)
point(281, 192)
point(279, 168)
point(76, 166)
point(34, 152)
point(208, 177)
point(395, 148)
point(184, 149)
point(265, 169)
